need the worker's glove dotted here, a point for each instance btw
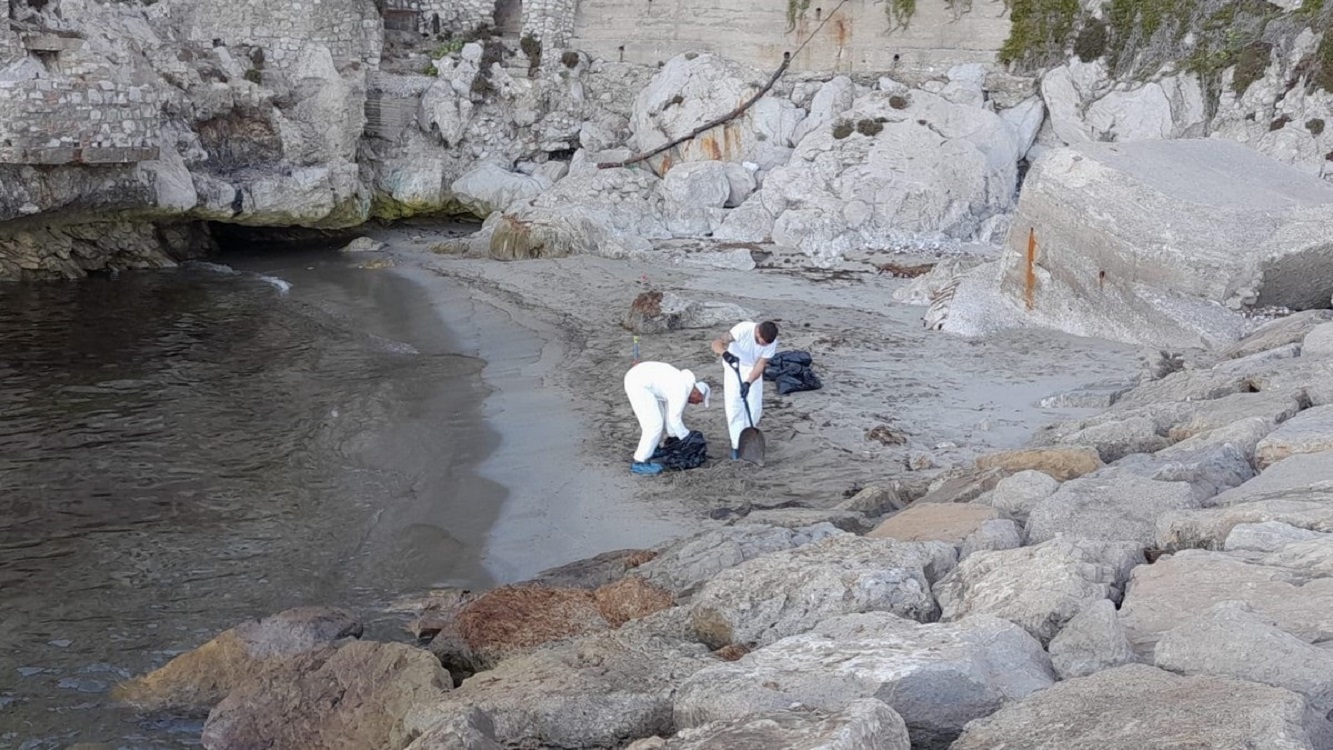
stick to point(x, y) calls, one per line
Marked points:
point(745, 389)
point(730, 358)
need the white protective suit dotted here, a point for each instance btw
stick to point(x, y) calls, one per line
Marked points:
point(658, 394)
point(749, 352)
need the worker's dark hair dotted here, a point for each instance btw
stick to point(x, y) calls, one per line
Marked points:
point(769, 330)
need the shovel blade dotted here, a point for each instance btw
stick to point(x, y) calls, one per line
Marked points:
point(751, 446)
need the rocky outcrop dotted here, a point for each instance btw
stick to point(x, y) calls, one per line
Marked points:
point(786, 593)
point(1153, 271)
point(937, 677)
point(1092, 641)
point(350, 697)
point(1139, 706)
point(862, 725)
point(197, 680)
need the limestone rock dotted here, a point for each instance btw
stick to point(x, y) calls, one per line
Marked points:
point(800, 518)
point(1061, 463)
point(690, 90)
point(1091, 642)
point(684, 564)
point(1112, 505)
point(350, 697)
point(1072, 575)
point(997, 534)
point(852, 182)
point(943, 522)
point(1318, 342)
point(962, 487)
point(867, 724)
point(1208, 470)
point(1311, 431)
point(1289, 329)
point(517, 618)
point(1015, 496)
point(464, 730)
point(196, 680)
point(833, 98)
point(1175, 589)
point(937, 676)
point(1269, 536)
point(789, 592)
point(658, 312)
point(703, 184)
point(1138, 706)
point(597, 691)
point(1238, 247)
point(1229, 640)
point(489, 187)
point(363, 245)
point(875, 500)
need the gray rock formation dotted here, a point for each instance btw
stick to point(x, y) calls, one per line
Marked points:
point(789, 592)
point(937, 676)
point(1111, 505)
point(685, 564)
point(1242, 248)
point(1091, 642)
point(1138, 706)
point(867, 724)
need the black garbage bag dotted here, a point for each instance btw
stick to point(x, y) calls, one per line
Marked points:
point(791, 372)
point(689, 453)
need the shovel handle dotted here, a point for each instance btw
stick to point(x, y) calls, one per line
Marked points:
point(736, 367)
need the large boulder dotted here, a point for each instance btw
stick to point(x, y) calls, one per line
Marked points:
point(1288, 329)
point(197, 680)
point(1071, 575)
point(937, 676)
point(1015, 496)
point(1112, 505)
point(866, 724)
point(1311, 431)
point(1062, 463)
point(658, 312)
point(1091, 642)
point(599, 691)
point(694, 89)
point(1139, 242)
point(489, 187)
point(1180, 587)
point(1229, 640)
point(348, 698)
point(789, 592)
point(940, 522)
point(683, 565)
point(1137, 706)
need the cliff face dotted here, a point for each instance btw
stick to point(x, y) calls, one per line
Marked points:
point(327, 113)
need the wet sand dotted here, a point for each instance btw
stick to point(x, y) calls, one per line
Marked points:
point(950, 398)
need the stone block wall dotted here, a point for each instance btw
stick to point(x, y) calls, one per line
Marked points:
point(351, 29)
point(458, 16)
point(552, 22)
point(858, 38)
point(10, 47)
point(65, 121)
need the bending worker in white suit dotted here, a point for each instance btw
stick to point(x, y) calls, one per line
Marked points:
point(753, 345)
point(658, 393)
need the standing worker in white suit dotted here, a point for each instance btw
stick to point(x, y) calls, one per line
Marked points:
point(753, 345)
point(658, 393)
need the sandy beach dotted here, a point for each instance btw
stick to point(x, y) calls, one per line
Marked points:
point(948, 399)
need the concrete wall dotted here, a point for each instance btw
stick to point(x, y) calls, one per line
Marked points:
point(857, 39)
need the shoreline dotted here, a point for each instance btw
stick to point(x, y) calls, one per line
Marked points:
point(548, 516)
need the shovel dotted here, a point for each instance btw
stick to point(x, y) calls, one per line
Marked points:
point(751, 447)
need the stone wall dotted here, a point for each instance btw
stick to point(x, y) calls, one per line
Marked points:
point(64, 121)
point(857, 38)
point(439, 16)
point(553, 22)
point(351, 29)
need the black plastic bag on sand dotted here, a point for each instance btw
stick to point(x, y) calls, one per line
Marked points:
point(689, 453)
point(792, 372)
